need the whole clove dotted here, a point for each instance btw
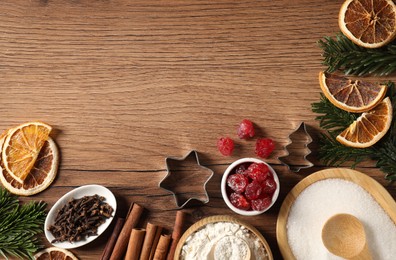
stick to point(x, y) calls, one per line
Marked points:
point(80, 218)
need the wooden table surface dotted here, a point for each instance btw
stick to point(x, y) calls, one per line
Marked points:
point(127, 83)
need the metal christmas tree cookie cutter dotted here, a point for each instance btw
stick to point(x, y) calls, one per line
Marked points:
point(299, 138)
point(180, 179)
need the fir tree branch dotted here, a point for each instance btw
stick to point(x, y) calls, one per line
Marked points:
point(333, 153)
point(340, 53)
point(332, 118)
point(19, 225)
point(7, 202)
point(335, 120)
point(386, 159)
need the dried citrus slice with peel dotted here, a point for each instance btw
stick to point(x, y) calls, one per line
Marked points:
point(22, 147)
point(55, 253)
point(354, 96)
point(368, 23)
point(41, 175)
point(368, 128)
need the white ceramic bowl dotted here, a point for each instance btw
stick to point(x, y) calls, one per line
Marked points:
point(87, 190)
point(224, 187)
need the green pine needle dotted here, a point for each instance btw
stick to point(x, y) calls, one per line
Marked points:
point(386, 159)
point(7, 202)
point(19, 225)
point(333, 153)
point(332, 118)
point(340, 53)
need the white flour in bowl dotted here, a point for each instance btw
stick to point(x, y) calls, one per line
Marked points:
point(323, 199)
point(231, 240)
point(231, 247)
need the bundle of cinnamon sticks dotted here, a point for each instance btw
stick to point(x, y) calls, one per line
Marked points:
point(130, 242)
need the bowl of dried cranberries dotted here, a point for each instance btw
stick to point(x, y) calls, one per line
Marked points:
point(249, 186)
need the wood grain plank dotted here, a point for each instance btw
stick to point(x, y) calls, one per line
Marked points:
point(137, 70)
point(127, 83)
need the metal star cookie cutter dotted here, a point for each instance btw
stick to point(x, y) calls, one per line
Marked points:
point(181, 179)
point(297, 139)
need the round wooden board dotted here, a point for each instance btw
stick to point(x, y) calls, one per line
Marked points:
point(376, 190)
point(220, 218)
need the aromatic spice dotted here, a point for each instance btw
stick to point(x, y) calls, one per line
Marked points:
point(323, 199)
point(19, 225)
point(80, 218)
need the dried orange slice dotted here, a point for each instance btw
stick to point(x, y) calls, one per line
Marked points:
point(55, 253)
point(368, 128)
point(41, 175)
point(355, 96)
point(370, 24)
point(22, 147)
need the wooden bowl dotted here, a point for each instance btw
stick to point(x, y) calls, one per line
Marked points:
point(220, 218)
point(376, 190)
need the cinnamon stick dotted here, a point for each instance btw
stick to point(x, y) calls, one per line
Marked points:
point(135, 244)
point(151, 229)
point(162, 248)
point(113, 239)
point(155, 242)
point(122, 241)
point(177, 233)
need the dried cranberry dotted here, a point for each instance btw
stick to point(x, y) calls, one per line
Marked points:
point(241, 168)
point(239, 201)
point(264, 147)
point(253, 190)
point(245, 129)
point(258, 171)
point(261, 204)
point(269, 186)
point(225, 146)
point(237, 182)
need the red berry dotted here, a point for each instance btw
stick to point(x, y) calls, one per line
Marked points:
point(225, 146)
point(245, 129)
point(264, 147)
point(239, 201)
point(253, 190)
point(261, 204)
point(237, 182)
point(269, 186)
point(241, 168)
point(258, 171)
